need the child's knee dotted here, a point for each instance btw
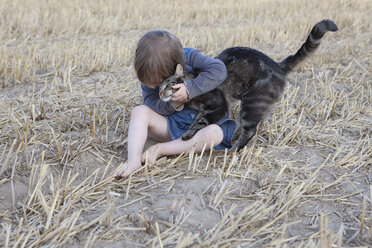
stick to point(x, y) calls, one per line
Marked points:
point(141, 111)
point(216, 132)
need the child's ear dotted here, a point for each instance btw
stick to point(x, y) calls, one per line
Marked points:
point(179, 70)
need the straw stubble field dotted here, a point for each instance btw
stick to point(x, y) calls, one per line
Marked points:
point(68, 87)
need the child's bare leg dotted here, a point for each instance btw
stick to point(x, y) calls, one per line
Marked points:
point(142, 120)
point(208, 135)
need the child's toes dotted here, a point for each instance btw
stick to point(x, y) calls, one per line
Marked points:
point(121, 173)
point(127, 171)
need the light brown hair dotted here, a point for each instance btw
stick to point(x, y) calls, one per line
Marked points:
point(157, 55)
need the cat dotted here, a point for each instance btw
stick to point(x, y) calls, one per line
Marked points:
point(253, 78)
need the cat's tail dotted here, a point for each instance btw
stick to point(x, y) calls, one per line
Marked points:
point(310, 45)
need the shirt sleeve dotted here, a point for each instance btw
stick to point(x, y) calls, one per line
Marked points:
point(151, 99)
point(212, 73)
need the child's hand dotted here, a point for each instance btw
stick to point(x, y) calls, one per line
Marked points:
point(180, 96)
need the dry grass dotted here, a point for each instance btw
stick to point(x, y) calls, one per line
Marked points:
point(67, 91)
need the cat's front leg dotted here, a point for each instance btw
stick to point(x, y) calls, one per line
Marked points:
point(250, 116)
point(199, 123)
point(246, 134)
point(237, 131)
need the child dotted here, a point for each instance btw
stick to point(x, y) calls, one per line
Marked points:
point(157, 55)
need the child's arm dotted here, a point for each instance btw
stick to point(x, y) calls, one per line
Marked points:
point(151, 99)
point(212, 73)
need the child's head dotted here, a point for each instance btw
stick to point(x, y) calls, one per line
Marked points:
point(157, 55)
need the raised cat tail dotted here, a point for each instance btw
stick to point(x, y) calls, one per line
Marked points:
point(311, 44)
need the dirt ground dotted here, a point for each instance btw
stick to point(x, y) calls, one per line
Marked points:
point(68, 88)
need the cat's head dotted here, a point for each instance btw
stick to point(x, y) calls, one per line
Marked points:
point(165, 89)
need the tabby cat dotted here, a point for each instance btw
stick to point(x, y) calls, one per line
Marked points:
point(253, 78)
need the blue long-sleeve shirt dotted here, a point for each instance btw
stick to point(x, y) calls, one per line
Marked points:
point(212, 74)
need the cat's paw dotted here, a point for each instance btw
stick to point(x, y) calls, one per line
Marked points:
point(188, 135)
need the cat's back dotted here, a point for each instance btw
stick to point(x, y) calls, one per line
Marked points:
point(247, 57)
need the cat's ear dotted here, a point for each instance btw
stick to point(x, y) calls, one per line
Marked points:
point(179, 70)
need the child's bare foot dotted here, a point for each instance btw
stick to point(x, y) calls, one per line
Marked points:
point(127, 170)
point(153, 153)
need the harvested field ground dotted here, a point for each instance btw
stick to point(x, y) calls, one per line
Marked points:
point(67, 91)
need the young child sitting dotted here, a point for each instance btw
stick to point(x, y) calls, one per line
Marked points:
point(157, 55)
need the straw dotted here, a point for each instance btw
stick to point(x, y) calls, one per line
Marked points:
point(67, 91)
